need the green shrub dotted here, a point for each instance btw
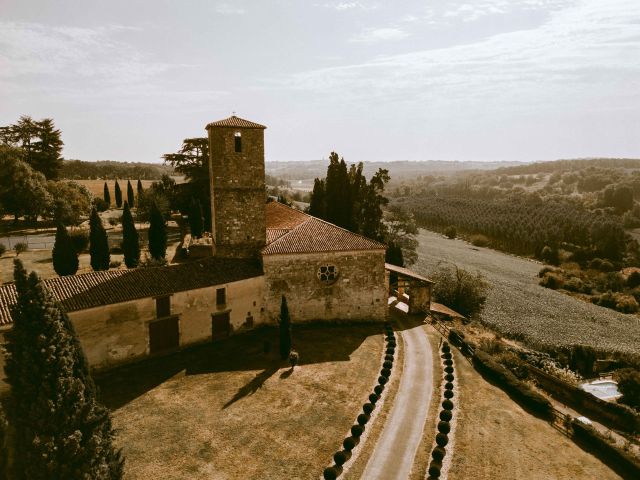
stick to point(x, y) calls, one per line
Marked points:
point(438, 453)
point(387, 364)
point(448, 369)
point(446, 348)
point(349, 444)
point(491, 345)
point(356, 431)
point(373, 398)
point(448, 386)
point(448, 363)
point(80, 239)
point(447, 356)
point(552, 281)
point(629, 385)
point(382, 380)
point(456, 337)
point(368, 408)
point(20, 248)
point(574, 284)
point(447, 404)
point(545, 270)
point(460, 290)
point(450, 231)
point(444, 427)
point(434, 469)
point(448, 394)
point(550, 255)
point(479, 240)
point(340, 457)
point(442, 439)
point(3, 249)
point(633, 280)
point(330, 473)
point(378, 389)
point(388, 357)
point(446, 415)
point(385, 372)
point(449, 377)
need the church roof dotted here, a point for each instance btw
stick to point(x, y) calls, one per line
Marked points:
point(307, 234)
point(234, 121)
point(89, 290)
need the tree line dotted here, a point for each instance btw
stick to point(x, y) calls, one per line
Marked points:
point(110, 170)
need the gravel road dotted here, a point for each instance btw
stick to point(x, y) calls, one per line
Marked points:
point(516, 304)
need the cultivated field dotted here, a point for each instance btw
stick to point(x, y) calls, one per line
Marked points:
point(517, 305)
point(230, 411)
point(96, 187)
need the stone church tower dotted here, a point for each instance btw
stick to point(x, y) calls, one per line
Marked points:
point(238, 194)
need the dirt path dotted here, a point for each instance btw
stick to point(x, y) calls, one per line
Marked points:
point(396, 449)
point(497, 439)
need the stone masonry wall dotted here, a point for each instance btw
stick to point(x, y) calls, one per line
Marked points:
point(359, 293)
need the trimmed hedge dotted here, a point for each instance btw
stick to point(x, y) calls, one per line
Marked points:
point(448, 363)
point(340, 458)
point(388, 358)
point(456, 337)
point(434, 469)
point(349, 443)
point(378, 389)
point(448, 386)
point(444, 427)
point(446, 348)
point(374, 397)
point(448, 394)
point(330, 473)
point(448, 369)
point(438, 453)
point(368, 408)
point(447, 356)
point(391, 350)
point(519, 390)
point(449, 377)
point(446, 415)
point(622, 462)
point(442, 439)
point(382, 380)
point(385, 372)
point(387, 364)
point(363, 418)
point(356, 431)
point(447, 404)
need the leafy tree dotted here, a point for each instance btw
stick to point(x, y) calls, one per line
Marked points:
point(65, 257)
point(157, 234)
point(140, 190)
point(98, 243)
point(22, 190)
point(372, 203)
point(60, 431)
point(460, 290)
point(195, 218)
point(39, 141)
point(285, 329)
point(118, 195)
point(393, 255)
point(400, 231)
point(192, 161)
point(317, 205)
point(629, 385)
point(69, 202)
point(130, 195)
point(107, 195)
point(130, 241)
point(608, 238)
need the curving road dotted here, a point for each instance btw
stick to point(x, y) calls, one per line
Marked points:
point(396, 448)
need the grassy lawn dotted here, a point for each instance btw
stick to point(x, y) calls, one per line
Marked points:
point(230, 411)
point(496, 438)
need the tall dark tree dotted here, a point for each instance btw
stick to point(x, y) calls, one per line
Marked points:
point(285, 329)
point(338, 201)
point(118, 195)
point(59, 430)
point(107, 195)
point(98, 243)
point(131, 198)
point(373, 200)
point(65, 257)
point(192, 161)
point(357, 188)
point(195, 218)
point(317, 204)
point(130, 240)
point(140, 191)
point(157, 234)
point(40, 142)
point(393, 255)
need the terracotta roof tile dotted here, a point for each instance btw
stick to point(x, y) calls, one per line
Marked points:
point(78, 292)
point(406, 272)
point(234, 121)
point(309, 234)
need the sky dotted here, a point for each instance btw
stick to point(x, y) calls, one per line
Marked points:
point(485, 80)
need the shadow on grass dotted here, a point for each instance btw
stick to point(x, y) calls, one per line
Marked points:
point(242, 352)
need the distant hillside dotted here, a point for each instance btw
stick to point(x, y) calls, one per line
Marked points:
point(109, 169)
point(310, 169)
point(569, 165)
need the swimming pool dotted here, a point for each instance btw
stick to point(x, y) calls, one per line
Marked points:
point(603, 389)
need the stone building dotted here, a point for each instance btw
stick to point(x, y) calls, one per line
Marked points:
point(260, 252)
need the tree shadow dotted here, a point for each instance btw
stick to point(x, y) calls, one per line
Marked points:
point(286, 374)
point(251, 387)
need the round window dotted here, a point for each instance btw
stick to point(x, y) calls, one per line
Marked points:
point(327, 274)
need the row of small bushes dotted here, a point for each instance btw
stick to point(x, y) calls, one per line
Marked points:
point(349, 443)
point(446, 414)
point(517, 389)
point(625, 464)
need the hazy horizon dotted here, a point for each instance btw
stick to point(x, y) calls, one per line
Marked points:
point(485, 81)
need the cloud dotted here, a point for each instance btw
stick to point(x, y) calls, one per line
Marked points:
point(229, 9)
point(344, 6)
point(584, 56)
point(373, 35)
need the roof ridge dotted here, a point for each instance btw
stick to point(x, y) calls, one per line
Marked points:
point(347, 230)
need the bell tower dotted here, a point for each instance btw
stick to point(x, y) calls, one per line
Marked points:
point(238, 194)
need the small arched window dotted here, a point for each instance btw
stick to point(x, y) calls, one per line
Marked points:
point(238, 142)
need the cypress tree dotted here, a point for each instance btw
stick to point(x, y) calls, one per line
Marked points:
point(107, 195)
point(195, 218)
point(59, 430)
point(98, 243)
point(118, 195)
point(140, 191)
point(393, 255)
point(130, 241)
point(65, 257)
point(285, 329)
point(130, 196)
point(317, 205)
point(157, 234)
point(338, 202)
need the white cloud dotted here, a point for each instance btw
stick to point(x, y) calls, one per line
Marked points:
point(344, 6)
point(373, 35)
point(229, 9)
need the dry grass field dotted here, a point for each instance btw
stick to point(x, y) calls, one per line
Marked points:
point(96, 187)
point(517, 306)
point(230, 411)
point(496, 438)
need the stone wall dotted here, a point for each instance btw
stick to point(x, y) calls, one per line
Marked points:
point(359, 292)
point(238, 191)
